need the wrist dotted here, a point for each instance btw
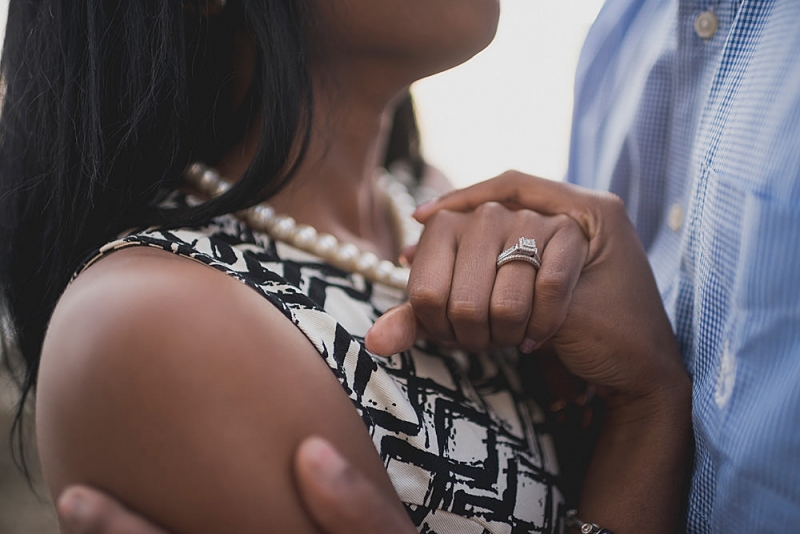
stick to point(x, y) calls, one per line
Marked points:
point(663, 401)
point(660, 387)
point(664, 404)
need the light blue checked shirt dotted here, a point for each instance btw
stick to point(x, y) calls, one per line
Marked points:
point(699, 132)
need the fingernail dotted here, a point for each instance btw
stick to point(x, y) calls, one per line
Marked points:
point(72, 508)
point(424, 206)
point(527, 345)
point(326, 462)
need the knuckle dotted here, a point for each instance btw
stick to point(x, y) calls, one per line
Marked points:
point(565, 221)
point(440, 218)
point(509, 310)
point(612, 203)
point(552, 286)
point(425, 299)
point(465, 311)
point(511, 182)
point(489, 209)
point(568, 228)
point(528, 218)
point(509, 176)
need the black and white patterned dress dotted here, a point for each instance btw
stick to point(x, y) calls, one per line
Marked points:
point(463, 447)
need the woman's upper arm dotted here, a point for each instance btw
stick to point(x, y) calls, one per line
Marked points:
point(184, 393)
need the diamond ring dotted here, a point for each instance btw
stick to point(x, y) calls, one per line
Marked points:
point(524, 250)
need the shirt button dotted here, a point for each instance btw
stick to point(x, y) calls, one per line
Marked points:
point(726, 377)
point(675, 217)
point(706, 24)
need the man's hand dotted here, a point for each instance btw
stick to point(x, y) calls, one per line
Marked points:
point(340, 500)
point(83, 510)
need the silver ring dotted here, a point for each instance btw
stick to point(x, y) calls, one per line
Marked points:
point(524, 250)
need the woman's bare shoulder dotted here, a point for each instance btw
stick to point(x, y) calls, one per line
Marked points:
point(184, 393)
point(133, 289)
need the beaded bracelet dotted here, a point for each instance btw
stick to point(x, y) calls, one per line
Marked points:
point(583, 527)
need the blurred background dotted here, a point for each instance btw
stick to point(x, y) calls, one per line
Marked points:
point(509, 107)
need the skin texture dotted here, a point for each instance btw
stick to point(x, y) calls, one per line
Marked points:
point(184, 393)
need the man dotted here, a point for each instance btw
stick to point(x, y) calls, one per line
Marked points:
point(690, 111)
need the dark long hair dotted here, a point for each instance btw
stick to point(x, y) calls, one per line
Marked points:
point(106, 103)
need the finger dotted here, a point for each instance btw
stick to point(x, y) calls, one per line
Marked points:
point(406, 257)
point(83, 510)
point(339, 498)
point(512, 300)
point(515, 190)
point(510, 187)
point(394, 331)
point(431, 275)
point(474, 277)
point(563, 259)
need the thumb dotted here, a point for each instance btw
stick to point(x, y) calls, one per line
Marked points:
point(83, 510)
point(393, 332)
point(340, 499)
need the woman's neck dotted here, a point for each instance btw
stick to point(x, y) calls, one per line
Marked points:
point(335, 187)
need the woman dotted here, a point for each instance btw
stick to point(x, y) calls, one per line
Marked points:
point(184, 390)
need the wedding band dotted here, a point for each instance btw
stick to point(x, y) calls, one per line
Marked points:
point(524, 250)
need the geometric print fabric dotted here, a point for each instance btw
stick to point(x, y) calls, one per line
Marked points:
point(463, 447)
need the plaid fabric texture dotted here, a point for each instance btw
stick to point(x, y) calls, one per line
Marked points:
point(701, 138)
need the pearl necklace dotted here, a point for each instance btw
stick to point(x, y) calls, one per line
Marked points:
point(345, 256)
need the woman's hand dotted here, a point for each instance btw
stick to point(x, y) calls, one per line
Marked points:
point(594, 298)
point(339, 498)
point(459, 297)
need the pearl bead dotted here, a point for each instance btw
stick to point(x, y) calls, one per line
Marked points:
point(282, 227)
point(399, 277)
point(405, 204)
point(367, 263)
point(220, 188)
point(394, 188)
point(411, 235)
point(325, 246)
point(346, 255)
point(208, 181)
point(195, 170)
point(304, 236)
point(260, 216)
point(384, 270)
